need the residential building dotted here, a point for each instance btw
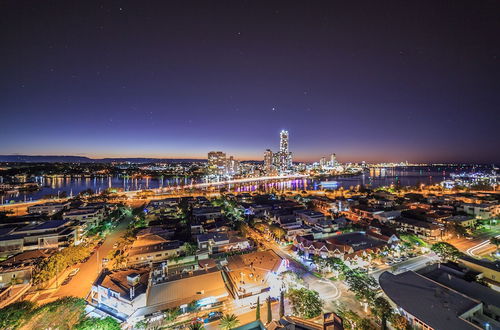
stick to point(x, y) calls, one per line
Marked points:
point(49, 234)
point(216, 242)
point(253, 273)
point(120, 293)
point(153, 249)
point(217, 163)
point(48, 208)
point(481, 211)
point(490, 270)
point(205, 288)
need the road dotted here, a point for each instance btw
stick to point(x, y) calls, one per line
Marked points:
point(411, 264)
point(81, 283)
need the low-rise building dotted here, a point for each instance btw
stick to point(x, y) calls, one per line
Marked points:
point(152, 249)
point(310, 217)
point(481, 211)
point(428, 304)
point(19, 268)
point(465, 221)
point(216, 242)
point(490, 270)
point(120, 293)
point(89, 216)
point(49, 208)
point(48, 234)
point(420, 228)
point(253, 273)
point(205, 288)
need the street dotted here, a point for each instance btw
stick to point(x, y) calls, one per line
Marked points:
point(81, 283)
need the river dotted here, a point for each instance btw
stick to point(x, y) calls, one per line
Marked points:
point(405, 176)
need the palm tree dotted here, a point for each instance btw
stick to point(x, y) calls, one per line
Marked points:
point(229, 321)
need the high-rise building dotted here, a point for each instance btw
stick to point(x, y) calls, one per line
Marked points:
point(284, 142)
point(284, 155)
point(268, 161)
point(216, 162)
point(232, 166)
point(333, 160)
point(322, 162)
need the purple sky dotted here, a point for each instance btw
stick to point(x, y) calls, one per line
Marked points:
point(416, 81)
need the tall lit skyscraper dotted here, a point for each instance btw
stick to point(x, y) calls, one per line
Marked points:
point(268, 161)
point(284, 142)
point(333, 160)
point(216, 162)
point(284, 156)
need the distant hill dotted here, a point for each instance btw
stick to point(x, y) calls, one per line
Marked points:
point(81, 159)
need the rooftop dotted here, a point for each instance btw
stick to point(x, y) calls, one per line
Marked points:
point(432, 303)
point(117, 281)
point(205, 284)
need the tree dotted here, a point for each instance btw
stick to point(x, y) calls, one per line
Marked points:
point(196, 326)
point(399, 322)
point(382, 309)
point(229, 321)
point(171, 314)
point(362, 285)
point(257, 310)
point(445, 251)
point(95, 323)
point(305, 303)
point(189, 249)
point(14, 315)
point(269, 311)
point(277, 231)
point(282, 304)
point(495, 241)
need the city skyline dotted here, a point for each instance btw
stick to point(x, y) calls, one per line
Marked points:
point(414, 82)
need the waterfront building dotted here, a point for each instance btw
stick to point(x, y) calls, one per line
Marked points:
point(268, 161)
point(216, 162)
point(282, 160)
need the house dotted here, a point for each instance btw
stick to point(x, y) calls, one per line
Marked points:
point(216, 242)
point(253, 273)
point(205, 288)
point(120, 293)
point(152, 249)
point(350, 247)
point(206, 213)
point(309, 217)
point(387, 216)
point(18, 269)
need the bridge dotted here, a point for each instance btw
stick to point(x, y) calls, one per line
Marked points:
point(221, 183)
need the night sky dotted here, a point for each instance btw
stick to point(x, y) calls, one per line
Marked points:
point(374, 81)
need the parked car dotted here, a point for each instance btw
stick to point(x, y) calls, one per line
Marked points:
point(212, 316)
point(74, 272)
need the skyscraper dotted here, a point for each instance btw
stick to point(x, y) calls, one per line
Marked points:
point(333, 160)
point(268, 161)
point(284, 142)
point(285, 156)
point(216, 162)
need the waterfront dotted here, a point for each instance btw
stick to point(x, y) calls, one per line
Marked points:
point(404, 176)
